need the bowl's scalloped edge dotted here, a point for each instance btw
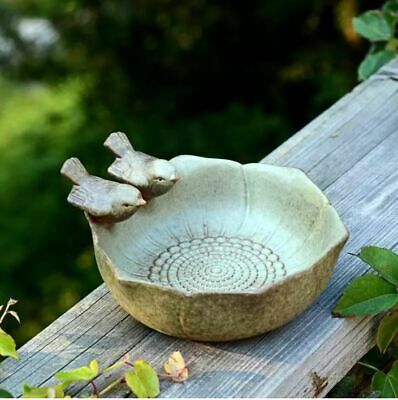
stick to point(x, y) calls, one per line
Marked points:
point(340, 242)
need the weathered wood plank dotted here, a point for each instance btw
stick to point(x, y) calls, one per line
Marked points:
point(350, 151)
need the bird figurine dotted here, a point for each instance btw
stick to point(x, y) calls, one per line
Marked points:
point(151, 175)
point(103, 200)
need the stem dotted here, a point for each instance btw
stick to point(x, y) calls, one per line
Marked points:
point(368, 366)
point(175, 377)
point(110, 387)
point(129, 363)
point(5, 312)
point(95, 389)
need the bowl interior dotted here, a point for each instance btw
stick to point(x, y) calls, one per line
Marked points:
point(225, 227)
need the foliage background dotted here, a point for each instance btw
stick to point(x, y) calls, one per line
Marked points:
point(214, 78)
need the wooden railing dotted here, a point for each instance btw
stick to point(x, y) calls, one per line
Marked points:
point(351, 152)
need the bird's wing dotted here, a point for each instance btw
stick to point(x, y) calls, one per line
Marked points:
point(121, 168)
point(82, 198)
point(143, 157)
point(118, 143)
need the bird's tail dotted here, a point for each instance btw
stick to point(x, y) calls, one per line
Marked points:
point(118, 143)
point(74, 170)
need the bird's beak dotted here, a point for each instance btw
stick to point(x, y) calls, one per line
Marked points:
point(176, 178)
point(141, 202)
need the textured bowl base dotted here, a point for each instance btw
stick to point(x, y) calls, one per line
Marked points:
point(217, 264)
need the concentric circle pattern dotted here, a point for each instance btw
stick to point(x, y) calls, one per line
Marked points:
point(223, 264)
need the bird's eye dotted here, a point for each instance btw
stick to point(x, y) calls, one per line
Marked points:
point(160, 179)
point(126, 205)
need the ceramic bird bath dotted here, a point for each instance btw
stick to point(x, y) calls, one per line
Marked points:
point(231, 251)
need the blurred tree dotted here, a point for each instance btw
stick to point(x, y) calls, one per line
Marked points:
point(213, 78)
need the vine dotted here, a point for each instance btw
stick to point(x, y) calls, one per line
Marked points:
point(380, 28)
point(140, 377)
point(376, 295)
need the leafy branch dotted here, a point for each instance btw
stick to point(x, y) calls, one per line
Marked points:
point(372, 295)
point(140, 378)
point(380, 28)
point(7, 343)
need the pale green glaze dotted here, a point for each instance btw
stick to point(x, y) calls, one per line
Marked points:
point(230, 252)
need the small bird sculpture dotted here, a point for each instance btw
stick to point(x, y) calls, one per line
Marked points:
point(151, 175)
point(104, 201)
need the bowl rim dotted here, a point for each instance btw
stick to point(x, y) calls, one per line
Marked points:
point(256, 292)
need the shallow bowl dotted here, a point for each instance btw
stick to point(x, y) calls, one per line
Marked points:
point(230, 252)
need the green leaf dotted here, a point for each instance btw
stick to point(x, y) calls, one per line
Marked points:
point(384, 261)
point(34, 392)
point(375, 25)
point(5, 395)
point(43, 392)
point(386, 384)
point(366, 295)
point(373, 62)
point(387, 330)
point(392, 46)
point(391, 7)
point(7, 345)
point(94, 366)
point(143, 381)
point(85, 373)
point(135, 385)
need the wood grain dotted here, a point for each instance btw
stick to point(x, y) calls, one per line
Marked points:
point(351, 152)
